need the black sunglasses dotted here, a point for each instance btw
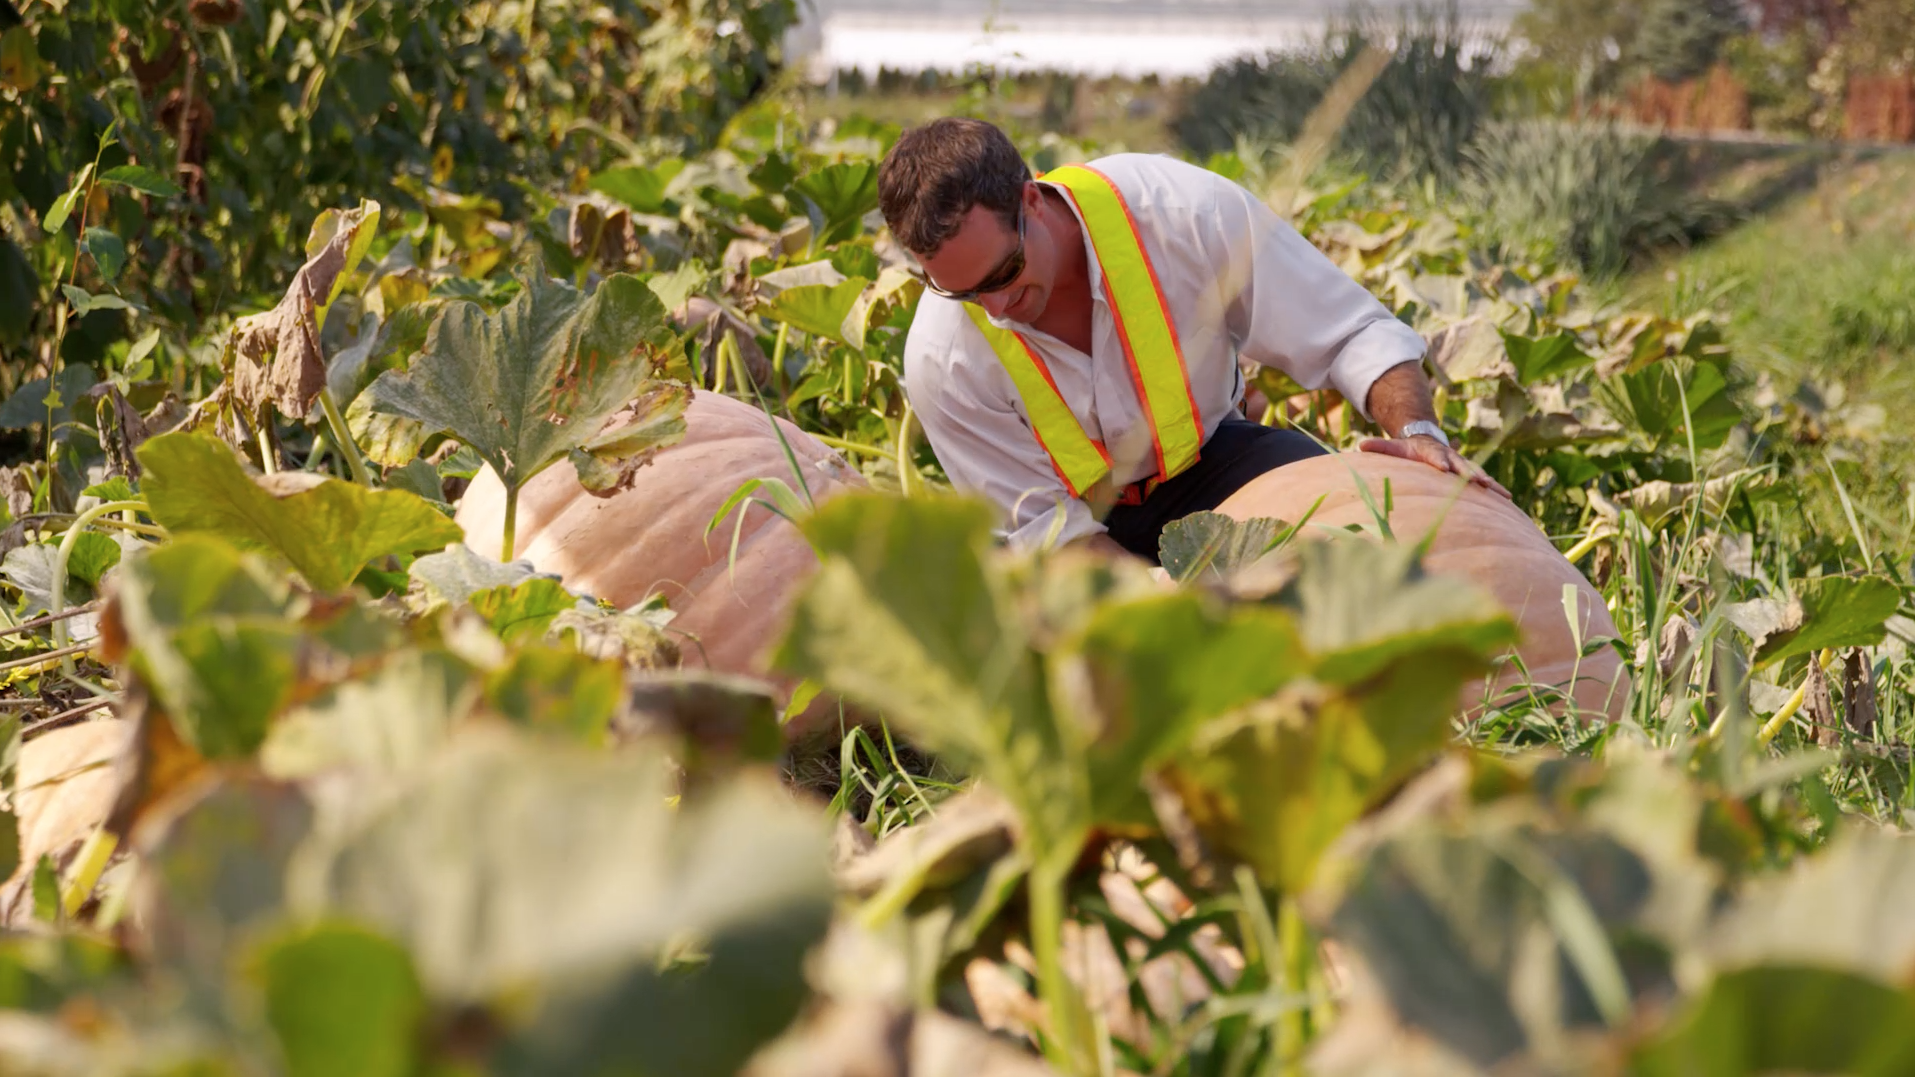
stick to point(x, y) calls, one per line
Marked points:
point(1002, 277)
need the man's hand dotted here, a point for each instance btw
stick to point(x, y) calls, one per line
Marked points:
point(1402, 396)
point(1428, 450)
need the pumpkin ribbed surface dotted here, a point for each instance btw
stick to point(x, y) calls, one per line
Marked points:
point(651, 538)
point(1478, 535)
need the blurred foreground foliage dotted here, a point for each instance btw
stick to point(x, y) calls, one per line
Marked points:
point(376, 803)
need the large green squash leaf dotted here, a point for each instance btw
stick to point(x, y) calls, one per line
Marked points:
point(1832, 611)
point(389, 721)
point(1788, 1019)
point(1451, 925)
point(1362, 605)
point(1276, 785)
point(1516, 915)
point(523, 610)
point(829, 311)
point(641, 188)
point(1213, 542)
point(1540, 359)
point(343, 1002)
point(557, 881)
point(210, 634)
point(837, 198)
point(216, 876)
point(1386, 650)
point(1154, 671)
point(525, 386)
point(1845, 908)
point(903, 617)
point(1668, 399)
point(558, 690)
point(455, 574)
point(327, 529)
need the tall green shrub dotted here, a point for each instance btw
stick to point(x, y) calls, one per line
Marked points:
point(1681, 39)
point(1590, 194)
point(1415, 120)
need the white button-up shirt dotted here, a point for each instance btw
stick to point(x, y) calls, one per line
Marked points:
point(1239, 282)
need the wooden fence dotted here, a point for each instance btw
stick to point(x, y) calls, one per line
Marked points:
point(1880, 108)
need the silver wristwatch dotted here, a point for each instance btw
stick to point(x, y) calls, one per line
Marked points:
point(1425, 427)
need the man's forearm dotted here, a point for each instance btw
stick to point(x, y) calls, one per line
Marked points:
point(1400, 397)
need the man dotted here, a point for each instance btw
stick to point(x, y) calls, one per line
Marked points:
point(1077, 347)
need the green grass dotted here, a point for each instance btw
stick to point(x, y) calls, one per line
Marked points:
point(1819, 292)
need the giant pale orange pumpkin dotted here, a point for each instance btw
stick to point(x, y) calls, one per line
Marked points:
point(651, 538)
point(1478, 535)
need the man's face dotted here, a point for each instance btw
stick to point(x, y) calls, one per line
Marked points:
point(984, 246)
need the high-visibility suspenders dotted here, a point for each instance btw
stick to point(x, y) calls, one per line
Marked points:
point(1152, 350)
point(1079, 461)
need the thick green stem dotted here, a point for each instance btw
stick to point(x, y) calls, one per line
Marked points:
point(511, 523)
point(268, 459)
point(1794, 703)
point(851, 446)
point(1298, 961)
point(71, 539)
point(721, 365)
point(53, 371)
point(95, 853)
point(735, 363)
point(778, 361)
point(907, 470)
point(152, 531)
point(1581, 549)
point(1071, 1045)
point(342, 439)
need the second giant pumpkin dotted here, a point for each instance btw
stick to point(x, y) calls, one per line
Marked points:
point(1478, 535)
point(650, 539)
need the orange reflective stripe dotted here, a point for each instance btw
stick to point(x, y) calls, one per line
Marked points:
point(1144, 324)
point(1078, 460)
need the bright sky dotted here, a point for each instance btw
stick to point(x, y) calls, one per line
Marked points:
point(1094, 37)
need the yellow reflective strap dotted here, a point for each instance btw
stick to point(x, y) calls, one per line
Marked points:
point(1144, 324)
point(1079, 461)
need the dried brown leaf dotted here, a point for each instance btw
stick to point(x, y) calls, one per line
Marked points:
point(1858, 695)
point(1818, 707)
point(277, 357)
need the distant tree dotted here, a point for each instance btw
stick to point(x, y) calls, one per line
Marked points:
point(1818, 20)
point(1680, 39)
point(1585, 37)
point(1880, 36)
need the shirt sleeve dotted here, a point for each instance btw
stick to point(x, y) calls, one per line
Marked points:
point(1288, 306)
point(981, 440)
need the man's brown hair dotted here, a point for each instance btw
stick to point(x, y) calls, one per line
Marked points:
point(937, 172)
